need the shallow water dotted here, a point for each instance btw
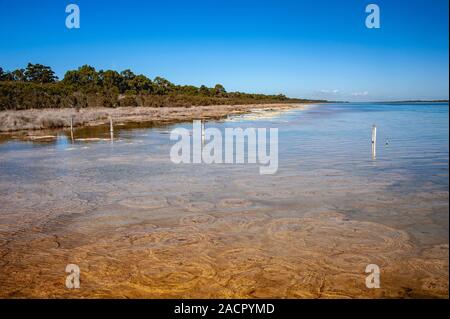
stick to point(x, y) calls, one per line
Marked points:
point(140, 226)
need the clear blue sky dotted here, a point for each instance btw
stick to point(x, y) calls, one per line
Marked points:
point(313, 49)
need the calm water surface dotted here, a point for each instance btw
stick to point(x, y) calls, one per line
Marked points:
point(140, 226)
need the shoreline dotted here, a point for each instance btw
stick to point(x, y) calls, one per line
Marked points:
point(48, 119)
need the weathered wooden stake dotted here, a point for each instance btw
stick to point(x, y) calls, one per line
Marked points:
point(111, 128)
point(71, 127)
point(203, 132)
point(374, 141)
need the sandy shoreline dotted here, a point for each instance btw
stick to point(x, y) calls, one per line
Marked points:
point(40, 119)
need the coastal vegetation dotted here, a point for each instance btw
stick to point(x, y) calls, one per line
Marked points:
point(37, 87)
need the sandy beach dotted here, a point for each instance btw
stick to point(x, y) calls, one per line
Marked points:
point(35, 119)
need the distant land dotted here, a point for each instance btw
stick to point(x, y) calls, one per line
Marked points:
point(393, 102)
point(416, 101)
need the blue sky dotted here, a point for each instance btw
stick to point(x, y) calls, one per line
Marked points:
point(312, 49)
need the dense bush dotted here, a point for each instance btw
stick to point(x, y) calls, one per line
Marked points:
point(38, 87)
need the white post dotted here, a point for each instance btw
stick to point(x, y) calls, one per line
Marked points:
point(374, 141)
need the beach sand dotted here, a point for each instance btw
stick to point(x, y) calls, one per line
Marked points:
point(177, 246)
point(38, 119)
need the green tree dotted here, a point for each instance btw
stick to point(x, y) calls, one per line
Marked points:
point(38, 73)
point(85, 77)
point(187, 89)
point(204, 91)
point(6, 76)
point(127, 75)
point(19, 75)
point(141, 83)
point(163, 86)
point(219, 90)
point(112, 79)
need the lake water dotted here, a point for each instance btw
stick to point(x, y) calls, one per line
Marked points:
point(139, 225)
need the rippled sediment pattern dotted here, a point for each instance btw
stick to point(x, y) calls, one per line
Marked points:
point(141, 226)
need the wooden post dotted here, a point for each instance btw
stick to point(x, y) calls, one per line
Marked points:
point(203, 132)
point(374, 141)
point(71, 127)
point(111, 128)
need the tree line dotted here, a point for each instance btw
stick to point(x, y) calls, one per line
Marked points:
point(37, 86)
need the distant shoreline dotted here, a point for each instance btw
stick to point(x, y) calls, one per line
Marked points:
point(390, 102)
point(412, 101)
point(59, 118)
point(43, 119)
